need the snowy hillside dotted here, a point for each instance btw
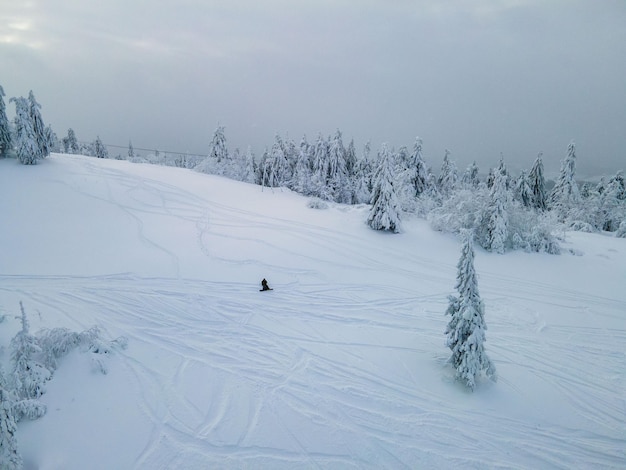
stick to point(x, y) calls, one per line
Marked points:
point(342, 365)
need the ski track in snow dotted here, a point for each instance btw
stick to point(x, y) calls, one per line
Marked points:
point(323, 375)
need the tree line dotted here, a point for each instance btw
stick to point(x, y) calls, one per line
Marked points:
point(503, 211)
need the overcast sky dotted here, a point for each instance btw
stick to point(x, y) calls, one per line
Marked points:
point(482, 78)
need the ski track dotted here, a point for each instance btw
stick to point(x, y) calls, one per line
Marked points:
point(283, 359)
point(332, 360)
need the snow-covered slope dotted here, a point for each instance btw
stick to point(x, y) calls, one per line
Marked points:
point(342, 365)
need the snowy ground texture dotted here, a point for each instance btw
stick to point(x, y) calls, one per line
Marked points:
point(342, 365)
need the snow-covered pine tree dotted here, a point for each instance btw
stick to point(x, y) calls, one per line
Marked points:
point(418, 173)
point(362, 193)
point(29, 376)
point(470, 179)
point(70, 144)
point(131, 150)
point(496, 216)
point(338, 180)
point(5, 130)
point(99, 149)
point(523, 193)
point(10, 459)
point(351, 159)
point(565, 194)
point(301, 181)
point(465, 332)
point(39, 129)
point(448, 176)
point(537, 184)
point(612, 203)
point(281, 167)
point(28, 152)
point(249, 170)
point(385, 211)
point(217, 148)
point(321, 169)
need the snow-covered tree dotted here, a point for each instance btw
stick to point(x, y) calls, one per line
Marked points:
point(99, 149)
point(28, 151)
point(351, 159)
point(302, 175)
point(565, 194)
point(448, 175)
point(249, 170)
point(523, 193)
point(418, 173)
point(29, 376)
point(470, 179)
point(385, 211)
point(276, 168)
point(496, 216)
point(39, 129)
point(612, 204)
point(217, 148)
point(537, 184)
point(465, 332)
point(70, 144)
point(5, 130)
point(321, 169)
point(131, 150)
point(338, 178)
point(363, 182)
point(10, 459)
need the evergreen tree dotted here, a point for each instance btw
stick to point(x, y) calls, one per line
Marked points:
point(565, 194)
point(612, 204)
point(28, 375)
point(10, 458)
point(217, 148)
point(5, 131)
point(321, 169)
point(337, 177)
point(302, 175)
point(99, 149)
point(131, 150)
point(537, 184)
point(385, 211)
point(362, 193)
point(470, 179)
point(39, 128)
point(249, 170)
point(448, 176)
point(523, 193)
point(351, 159)
point(418, 173)
point(497, 216)
point(465, 332)
point(28, 152)
point(278, 167)
point(70, 144)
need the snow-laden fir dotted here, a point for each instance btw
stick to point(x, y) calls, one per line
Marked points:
point(343, 365)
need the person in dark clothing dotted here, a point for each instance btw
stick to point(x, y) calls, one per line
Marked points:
point(264, 285)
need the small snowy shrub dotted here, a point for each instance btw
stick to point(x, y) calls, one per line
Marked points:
point(317, 204)
point(462, 210)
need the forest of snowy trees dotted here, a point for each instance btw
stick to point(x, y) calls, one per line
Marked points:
point(504, 211)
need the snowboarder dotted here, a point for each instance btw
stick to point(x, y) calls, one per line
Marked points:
point(264, 286)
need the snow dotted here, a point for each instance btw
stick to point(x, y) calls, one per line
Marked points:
point(342, 365)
